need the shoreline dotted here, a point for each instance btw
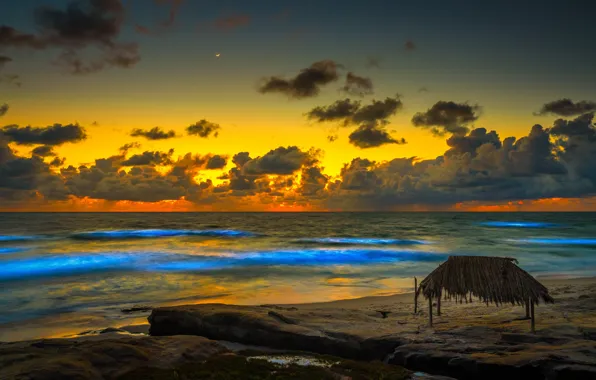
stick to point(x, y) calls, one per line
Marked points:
point(138, 322)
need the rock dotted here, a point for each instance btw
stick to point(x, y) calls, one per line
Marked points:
point(281, 318)
point(137, 309)
point(112, 330)
point(383, 313)
point(99, 358)
point(573, 372)
point(249, 325)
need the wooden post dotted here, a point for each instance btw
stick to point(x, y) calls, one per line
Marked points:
point(415, 295)
point(430, 311)
point(528, 308)
point(439, 304)
point(533, 319)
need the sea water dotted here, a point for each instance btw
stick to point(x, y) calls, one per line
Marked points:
point(60, 272)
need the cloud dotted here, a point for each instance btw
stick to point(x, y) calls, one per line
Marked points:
point(174, 7)
point(566, 107)
point(126, 147)
point(149, 158)
point(203, 128)
point(26, 179)
point(216, 162)
point(306, 84)
point(423, 89)
point(3, 109)
point(82, 25)
point(468, 144)
point(43, 151)
point(371, 136)
point(351, 112)
point(232, 22)
point(153, 134)
point(371, 119)
point(332, 138)
point(11, 79)
point(280, 161)
point(357, 85)
point(56, 134)
point(410, 46)
point(4, 60)
point(447, 117)
point(372, 62)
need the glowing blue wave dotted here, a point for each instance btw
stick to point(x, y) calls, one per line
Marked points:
point(156, 233)
point(361, 241)
point(63, 265)
point(18, 237)
point(85, 263)
point(558, 241)
point(518, 224)
point(8, 250)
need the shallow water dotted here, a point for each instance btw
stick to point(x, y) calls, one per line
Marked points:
point(60, 272)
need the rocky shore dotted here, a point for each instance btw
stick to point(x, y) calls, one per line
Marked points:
point(468, 341)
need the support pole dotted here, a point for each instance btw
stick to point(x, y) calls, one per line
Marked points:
point(415, 295)
point(439, 304)
point(533, 319)
point(528, 308)
point(430, 311)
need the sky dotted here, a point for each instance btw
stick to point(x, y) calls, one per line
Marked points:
point(184, 105)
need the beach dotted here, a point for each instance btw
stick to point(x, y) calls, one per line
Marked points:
point(488, 338)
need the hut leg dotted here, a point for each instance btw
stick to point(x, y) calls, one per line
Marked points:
point(533, 323)
point(528, 309)
point(430, 311)
point(439, 305)
point(415, 295)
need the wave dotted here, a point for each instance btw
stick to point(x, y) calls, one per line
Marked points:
point(10, 238)
point(155, 233)
point(518, 224)
point(558, 241)
point(9, 250)
point(82, 263)
point(360, 241)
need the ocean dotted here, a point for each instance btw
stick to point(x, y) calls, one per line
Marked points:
point(62, 273)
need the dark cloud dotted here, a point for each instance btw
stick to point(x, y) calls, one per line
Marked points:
point(462, 144)
point(340, 110)
point(232, 22)
point(164, 25)
point(372, 62)
point(43, 151)
point(580, 127)
point(371, 119)
point(371, 136)
point(307, 84)
point(203, 128)
point(423, 89)
point(567, 107)
point(149, 158)
point(90, 24)
point(313, 181)
point(241, 158)
point(25, 179)
point(216, 162)
point(447, 117)
point(281, 161)
point(3, 109)
point(409, 46)
point(11, 79)
point(4, 60)
point(126, 147)
point(357, 85)
point(56, 134)
point(353, 113)
point(332, 138)
point(153, 134)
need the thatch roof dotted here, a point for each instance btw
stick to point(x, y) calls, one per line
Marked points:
point(495, 280)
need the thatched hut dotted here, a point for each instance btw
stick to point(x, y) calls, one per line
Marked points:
point(495, 280)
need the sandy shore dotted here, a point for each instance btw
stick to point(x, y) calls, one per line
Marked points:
point(563, 313)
